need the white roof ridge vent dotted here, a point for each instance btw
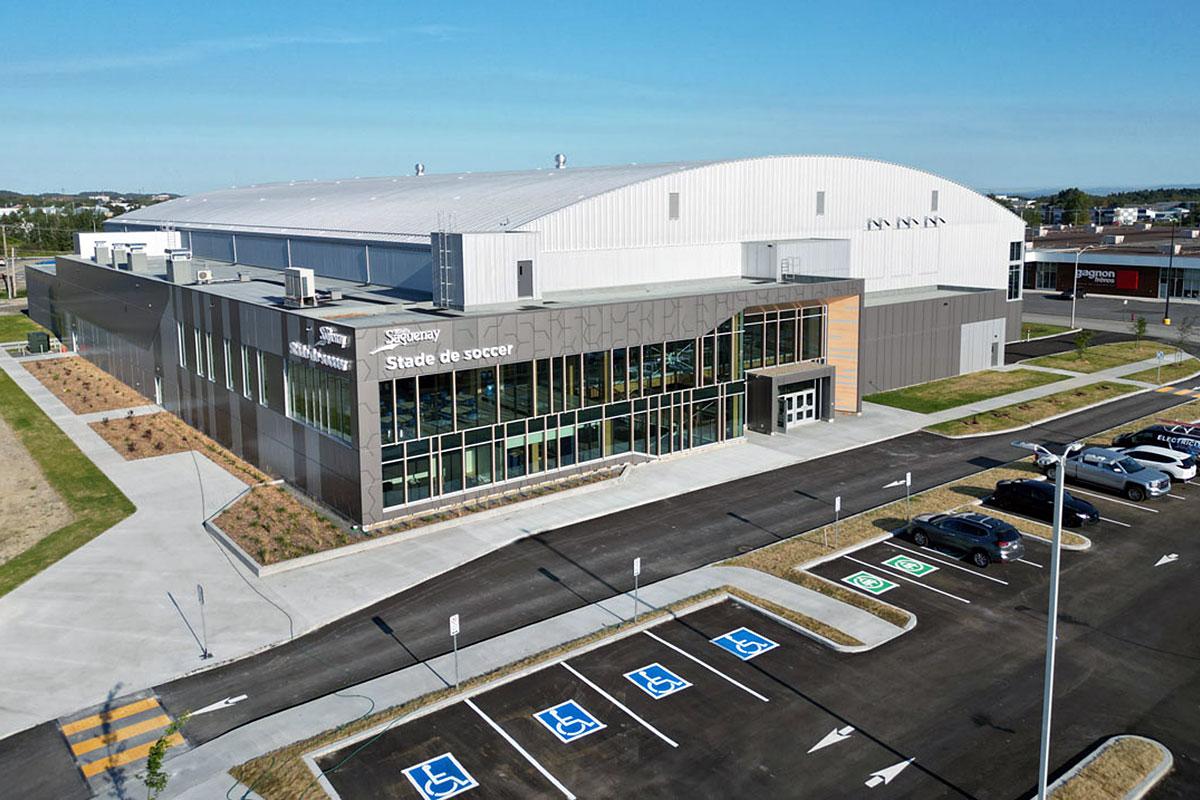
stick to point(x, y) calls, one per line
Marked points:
point(560, 161)
point(418, 169)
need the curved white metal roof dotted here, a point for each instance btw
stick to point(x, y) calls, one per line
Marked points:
point(411, 207)
point(407, 206)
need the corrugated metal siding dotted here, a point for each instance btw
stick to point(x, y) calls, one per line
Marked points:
point(404, 268)
point(217, 246)
point(262, 251)
point(331, 259)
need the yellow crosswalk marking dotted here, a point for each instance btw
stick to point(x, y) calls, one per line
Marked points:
point(1167, 389)
point(124, 757)
point(96, 720)
point(120, 734)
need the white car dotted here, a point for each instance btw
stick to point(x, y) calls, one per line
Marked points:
point(1180, 466)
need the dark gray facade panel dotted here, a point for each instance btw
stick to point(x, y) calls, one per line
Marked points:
point(907, 343)
point(1012, 320)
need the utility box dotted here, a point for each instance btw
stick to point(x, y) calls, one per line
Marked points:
point(37, 342)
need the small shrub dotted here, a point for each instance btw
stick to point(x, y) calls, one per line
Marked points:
point(158, 445)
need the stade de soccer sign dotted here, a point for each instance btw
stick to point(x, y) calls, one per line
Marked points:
point(406, 337)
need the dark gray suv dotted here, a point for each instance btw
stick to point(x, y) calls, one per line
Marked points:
point(981, 538)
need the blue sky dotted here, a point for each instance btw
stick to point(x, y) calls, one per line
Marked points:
point(185, 97)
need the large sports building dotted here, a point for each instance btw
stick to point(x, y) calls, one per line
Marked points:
point(392, 344)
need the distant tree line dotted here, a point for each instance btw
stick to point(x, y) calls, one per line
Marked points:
point(33, 231)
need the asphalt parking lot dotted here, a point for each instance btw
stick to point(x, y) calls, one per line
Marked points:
point(951, 709)
point(664, 713)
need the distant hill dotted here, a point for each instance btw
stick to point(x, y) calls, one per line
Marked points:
point(1117, 194)
point(12, 198)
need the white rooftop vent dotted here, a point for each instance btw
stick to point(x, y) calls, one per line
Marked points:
point(418, 169)
point(1189, 233)
point(204, 276)
point(1096, 228)
point(560, 161)
point(1113, 238)
point(300, 287)
point(1170, 249)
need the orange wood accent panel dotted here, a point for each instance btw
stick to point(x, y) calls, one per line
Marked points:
point(842, 351)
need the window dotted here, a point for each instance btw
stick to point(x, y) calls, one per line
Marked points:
point(208, 356)
point(1014, 281)
point(262, 377)
point(321, 398)
point(246, 390)
point(197, 349)
point(820, 204)
point(596, 382)
point(228, 365)
point(516, 390)
point(436, 403)
point(1016, 251)
point(182, 344)
point(673, 205)
point(812, 334)
point(933, 200)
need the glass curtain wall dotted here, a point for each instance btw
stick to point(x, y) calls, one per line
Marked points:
point(323, 399)
point(783, 336)
point(460, 430)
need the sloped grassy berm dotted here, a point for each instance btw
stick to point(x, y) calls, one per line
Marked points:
point(927, 398)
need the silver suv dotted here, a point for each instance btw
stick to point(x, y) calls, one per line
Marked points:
point(1112, 470)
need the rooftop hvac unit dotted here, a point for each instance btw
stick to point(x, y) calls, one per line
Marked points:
point(137, 258)
point(1113, 238)
point(103, 254)
point(1170, 249)
point(300, 287)
point(1189, 233)
point(1096, 228)
point(179, 266)
point(204, 276)
point(119, 252)
point(1145, 226)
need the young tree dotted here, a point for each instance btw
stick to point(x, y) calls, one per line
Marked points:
point(1183, 333)
point(1138, 326)
point(154, 776)
point(1082, 340)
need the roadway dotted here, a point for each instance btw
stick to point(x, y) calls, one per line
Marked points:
point(555, 572)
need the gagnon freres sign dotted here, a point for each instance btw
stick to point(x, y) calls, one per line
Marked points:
point(397, 338)
point(327, 336)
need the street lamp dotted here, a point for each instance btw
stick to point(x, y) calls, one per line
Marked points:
point(1170, 267)
point(1052, 619)
point(1075, 280)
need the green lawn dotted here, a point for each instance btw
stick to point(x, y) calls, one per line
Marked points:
point(1034, 330)
point(962, 389)
point(1172, 370)
point(13, 327)
point(96, 503)
point(1020, 414)
point(1103, 356)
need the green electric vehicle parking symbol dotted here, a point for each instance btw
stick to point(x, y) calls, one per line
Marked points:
point(869, 583)
point(910, 565)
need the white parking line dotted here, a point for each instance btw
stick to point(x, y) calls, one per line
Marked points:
point(620, 705)
point(1030, 563)
point(1117, 522)
point(1114, 500)
point(708, 667)
point(947, 563)
point(898, 576)
point(524, 753)
point(1176, 496)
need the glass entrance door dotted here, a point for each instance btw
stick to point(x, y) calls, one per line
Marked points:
point(799, 408)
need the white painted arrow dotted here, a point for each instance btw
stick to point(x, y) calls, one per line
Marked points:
point(833, 737)
point(1167, 559)
point(883, 776)
point(217, 706)
point(893, 483)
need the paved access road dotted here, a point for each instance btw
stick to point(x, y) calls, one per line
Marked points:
point(554, 572)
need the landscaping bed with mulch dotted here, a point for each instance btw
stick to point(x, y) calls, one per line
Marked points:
point(273, 524)
point(82, 386)
point(137, 436)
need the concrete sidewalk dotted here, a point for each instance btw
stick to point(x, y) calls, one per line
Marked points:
point(202, 772)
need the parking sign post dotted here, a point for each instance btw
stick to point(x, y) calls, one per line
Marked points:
point(837, 520)
point(908, 495)
point(454, 639)
point(1160, 355)
point(203, 622)
point(637, 570)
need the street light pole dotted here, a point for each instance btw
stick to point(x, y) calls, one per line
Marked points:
point(1052, 610)
point(1170, 267)
point(1075, 281)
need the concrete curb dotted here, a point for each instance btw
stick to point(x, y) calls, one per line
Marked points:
point(1079, 410)
point(1165, 764)
point(908, 626)
point(1067, 332)
point(865, 543)
point(803, 631)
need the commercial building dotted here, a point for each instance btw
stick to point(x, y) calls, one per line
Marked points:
point(393, 344)
point(1126, 261)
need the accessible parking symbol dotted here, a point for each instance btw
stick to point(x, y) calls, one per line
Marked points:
point(869, 583)
point(910, 566)
point(745, 643)
point(657, 681)
point(440, 777)
point(569, 721)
